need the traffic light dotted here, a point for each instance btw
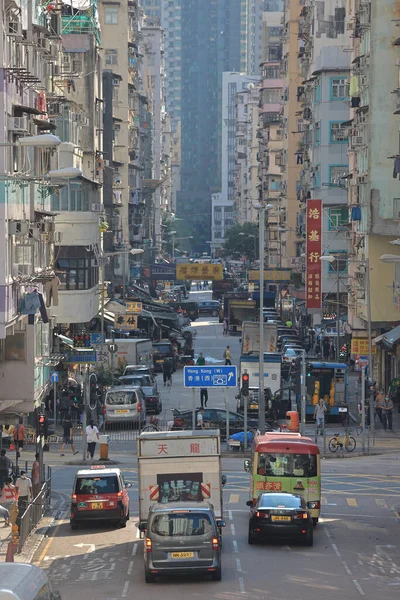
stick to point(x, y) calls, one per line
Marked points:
point(245, 384)
point(42, 425)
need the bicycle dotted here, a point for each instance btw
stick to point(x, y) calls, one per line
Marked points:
point(347, 441)
point(154, 425)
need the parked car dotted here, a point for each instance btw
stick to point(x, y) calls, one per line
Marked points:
point(139, 369)
point(136, 379)
point(214, 418)
point(209, 307)
point(122, 405)
point(282, 515)
point(161, 351)
point(152, 400)
point(291, 354)
point(182, 538)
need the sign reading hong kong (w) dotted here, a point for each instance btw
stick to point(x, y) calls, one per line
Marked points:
point(313, 254)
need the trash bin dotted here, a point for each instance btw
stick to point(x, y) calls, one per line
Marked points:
point(292, 418)
point(104, 441)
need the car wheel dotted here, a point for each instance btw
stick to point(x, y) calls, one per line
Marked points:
point(73, 524)
point(251, 538)
point(315, 521)
point(122, 523)
point(148, 577)
point(309, 539)
point(217, 575)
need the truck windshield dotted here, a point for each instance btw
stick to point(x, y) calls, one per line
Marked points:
point(287, 465)
point(181, 524)
point(163, 349)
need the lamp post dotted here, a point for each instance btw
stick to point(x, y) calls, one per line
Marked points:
point(262, 207)
point(330, 258)
point(178, 239)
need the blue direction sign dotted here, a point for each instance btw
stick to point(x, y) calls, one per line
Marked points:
point(95, 338)
point(208, 377)
point(54, 377)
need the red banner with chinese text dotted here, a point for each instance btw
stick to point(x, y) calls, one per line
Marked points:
point(313, 254)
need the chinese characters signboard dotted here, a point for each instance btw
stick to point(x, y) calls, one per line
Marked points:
point(360, 346)
point(134, 307)
point(198, 272)
point(204, 445)
point(282, 275)
point(127, 322)
point(313, 254)
point(224, 376)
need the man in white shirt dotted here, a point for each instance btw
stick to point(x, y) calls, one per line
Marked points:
point(92, 436)
point(23, 488)
point(200, 421)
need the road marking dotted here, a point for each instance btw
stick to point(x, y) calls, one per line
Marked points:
point(238, 565)
point(347, 568)
point(125, 590)
point(233, 499)
point(230, 517)
point(336, 550)
point(233, 532)
point(351, 502)
point(91, 547)
point(359, 588)
point(130, 568)
point(235, 546)
point(355, 516)
point(47, 546)
point(241, 585)
point(324, 500)
point(381, 502)
point(134, 549)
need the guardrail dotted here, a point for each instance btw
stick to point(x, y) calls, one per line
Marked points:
point(34, 511)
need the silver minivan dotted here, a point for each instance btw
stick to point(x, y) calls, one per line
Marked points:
point(182, 538)
point(124, 404)
point(19, 581)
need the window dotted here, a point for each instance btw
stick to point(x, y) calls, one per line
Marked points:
point(288, 465)
point(274, 53)
point(77, 270)
point(97, 485)
point(271, 73)
point(111, 57)
point(316, 178)
point(175, 524)
point(274, 185)
point(111, 15)
point(317, 93)
point(14, 347)
point(317, 133)
point(275, 31)
point(338, 133)
point(338, 265)
point(337, 173)
point(338, 217)
point(339, 88)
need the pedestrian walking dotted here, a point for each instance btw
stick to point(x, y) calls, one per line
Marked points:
point(5, 465)
point(379, 402)
point(387, 413)
point(7, 497)
point(67, 437)
point(319, 416)
point(35, 476)
point(227, 356)
point(92, 436)
point(201, 361)
point(20, 435)
point(325, 349)
point(23, 488)
point(200, 421)
point(167, 371)
point(225, 326)
point(203, 397)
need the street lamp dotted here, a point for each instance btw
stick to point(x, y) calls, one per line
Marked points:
point(263, 209)
point(174, 239)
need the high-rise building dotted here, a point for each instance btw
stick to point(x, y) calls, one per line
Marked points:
point(253, 21)
point(210, 45)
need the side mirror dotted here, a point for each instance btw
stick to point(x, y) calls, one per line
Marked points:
point(221, 523)
point(224, 480)
point(249, 503)
point(247, 465)
point(128, 485)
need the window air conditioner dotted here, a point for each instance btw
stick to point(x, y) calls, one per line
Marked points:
point(15, 29)
point(18, 227)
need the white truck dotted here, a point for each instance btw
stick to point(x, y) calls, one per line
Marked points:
point(130, 351)
point(249, 364)
point(176, 466)
point(251, 337)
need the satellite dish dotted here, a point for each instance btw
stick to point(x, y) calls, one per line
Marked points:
point(251, 86)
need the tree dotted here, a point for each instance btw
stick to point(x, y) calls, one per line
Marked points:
point(242, 240)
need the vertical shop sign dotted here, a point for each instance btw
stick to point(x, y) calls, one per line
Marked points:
point(313, 254)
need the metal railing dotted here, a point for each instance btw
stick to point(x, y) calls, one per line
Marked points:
point(34, 511)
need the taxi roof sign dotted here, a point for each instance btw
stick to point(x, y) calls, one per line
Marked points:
point(97, 467)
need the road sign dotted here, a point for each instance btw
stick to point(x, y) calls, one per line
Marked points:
point(82, 357)
point(199, 272)
point(54, 377)
point(112, 348)
point(134, 307)
point(208, 377)
point(95, 338)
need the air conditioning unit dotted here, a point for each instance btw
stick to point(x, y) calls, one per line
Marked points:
point(350, 26)
point(18, 124)
point(43, 44)
point(15, 29)
point(57, 71)
point(55, 237)
point(18, 227)
point(97, 207)
point(357, 140)
point(54, 51)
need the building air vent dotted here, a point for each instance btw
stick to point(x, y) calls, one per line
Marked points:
point(18, 227)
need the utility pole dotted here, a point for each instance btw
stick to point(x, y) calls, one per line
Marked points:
point(337, 311)
point(369, 333)
point(85, 405)
point(303, 393)
point(363, 381)
point(261, 397)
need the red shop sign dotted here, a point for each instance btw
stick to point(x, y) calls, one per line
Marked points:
point(313, 254)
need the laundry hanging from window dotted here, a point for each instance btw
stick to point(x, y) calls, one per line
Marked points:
point(396, 167)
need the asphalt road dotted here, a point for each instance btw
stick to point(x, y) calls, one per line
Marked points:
point(356, 550)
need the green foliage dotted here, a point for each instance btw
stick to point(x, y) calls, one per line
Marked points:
point(237, 245)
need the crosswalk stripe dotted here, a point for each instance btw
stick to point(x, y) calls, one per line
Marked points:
point(233, 499)
point(324, 500)
point(351, 501)
point(381, 502)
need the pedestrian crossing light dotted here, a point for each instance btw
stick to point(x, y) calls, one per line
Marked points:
point(245, 384)
point(42, 425)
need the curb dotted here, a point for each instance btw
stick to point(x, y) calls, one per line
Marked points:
point(106, 463)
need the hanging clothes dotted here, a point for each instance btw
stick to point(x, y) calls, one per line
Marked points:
point(353, 86)
point(355, 102)
point(29, 303)
point(396, 167)
point(51, 290)
point(42, 308)
point(299, 159)
point(356, 213)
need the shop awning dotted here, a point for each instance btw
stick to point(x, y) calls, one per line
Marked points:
point(377, 339)
point(392, 336)
point(65, 340)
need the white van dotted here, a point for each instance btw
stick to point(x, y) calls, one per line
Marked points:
point(19, 581)
point(122, 405)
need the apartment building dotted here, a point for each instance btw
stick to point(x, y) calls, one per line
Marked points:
point(222, 218)
point(256, 15)
point(322, 150)
point(374, 186)
point(30, 53)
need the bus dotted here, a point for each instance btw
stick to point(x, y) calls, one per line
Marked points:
point(286, 462)
point(327, 380)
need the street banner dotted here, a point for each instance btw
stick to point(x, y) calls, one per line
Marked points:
point(160, 272)
point(271, 275)
point(134, 307)
point(313, 254)
point(360, 346)
point(198, 272)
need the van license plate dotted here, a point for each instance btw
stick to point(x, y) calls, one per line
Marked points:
point(97, 505)
point(253, 406)
point(122, 412)
point(279, 518)
point(182, 554)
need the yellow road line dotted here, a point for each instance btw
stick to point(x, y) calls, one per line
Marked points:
point(233, 499)
point(351, 501)
point(54, 533)
point(381, 502)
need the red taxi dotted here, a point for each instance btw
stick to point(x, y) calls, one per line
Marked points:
point(99, 494)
